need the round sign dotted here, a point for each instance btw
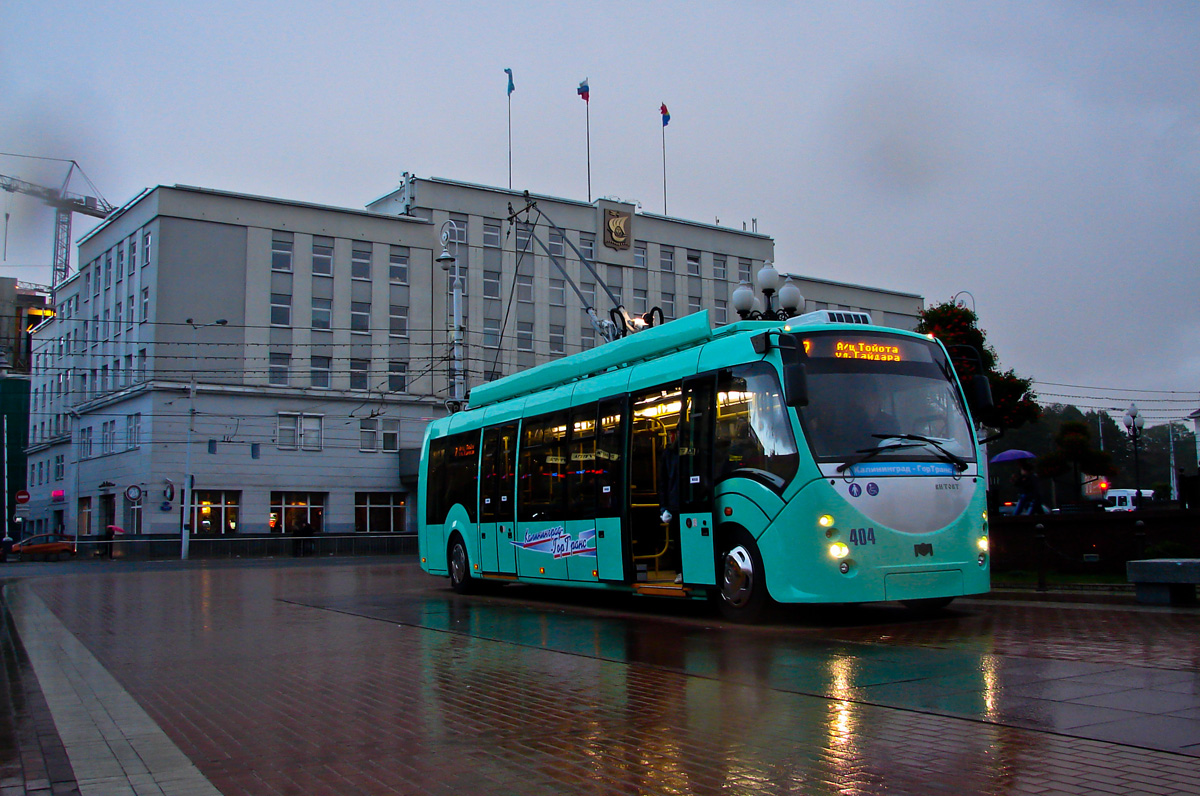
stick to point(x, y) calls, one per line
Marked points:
point(134, 493)
point(22, 496)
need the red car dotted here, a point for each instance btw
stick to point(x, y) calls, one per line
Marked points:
point(46, 546)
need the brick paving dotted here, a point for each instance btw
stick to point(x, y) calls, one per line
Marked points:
point(32, 757)
point(372, 678)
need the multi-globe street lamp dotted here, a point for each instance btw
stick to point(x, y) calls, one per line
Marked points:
point(1134, 421)
point(747, 305)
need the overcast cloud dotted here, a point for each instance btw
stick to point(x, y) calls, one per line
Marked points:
point(1044, 157)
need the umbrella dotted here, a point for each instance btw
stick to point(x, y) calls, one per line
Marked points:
point(1012, 456)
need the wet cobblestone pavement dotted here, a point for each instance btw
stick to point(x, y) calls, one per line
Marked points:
point(356, 677)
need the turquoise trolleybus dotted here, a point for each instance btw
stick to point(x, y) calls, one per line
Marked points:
point(816, 460)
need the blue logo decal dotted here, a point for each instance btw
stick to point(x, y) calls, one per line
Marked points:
point(559, 543)
point(878, 469)
point(872, 489)
point(855, 490)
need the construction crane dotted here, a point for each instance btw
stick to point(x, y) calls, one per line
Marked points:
point(64, 203)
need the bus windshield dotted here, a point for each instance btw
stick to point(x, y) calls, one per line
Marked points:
point(881, 396)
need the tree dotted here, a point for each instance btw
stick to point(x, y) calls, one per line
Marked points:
point(958, 328)
point(1073, 453)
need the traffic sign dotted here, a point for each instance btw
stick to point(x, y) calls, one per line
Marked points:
point(22, 496)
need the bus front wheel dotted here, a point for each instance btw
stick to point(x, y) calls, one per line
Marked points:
point(742, 587)
point(460, 566)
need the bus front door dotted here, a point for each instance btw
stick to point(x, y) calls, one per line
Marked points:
point(496, 496)
point(696, 429)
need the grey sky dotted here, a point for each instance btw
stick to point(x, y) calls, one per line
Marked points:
point(1043, 156)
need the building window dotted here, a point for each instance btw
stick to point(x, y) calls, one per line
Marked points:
point(129, 314)
point(133, 255)
point(398, 321)
point(391, 435)
point(666, 259)
point(491, 332)
point(368, 435)
point(491, 284)
point(379, 512)
point(462, 275)
point(493, 375)
point(319, 369)
point(359, 369)
point(215, 512)
point(120, 262)
point(360, 260)
point(558, 335)
point(719, 270)
point(141, 364)
point(277, 371)
point(744, 266)
point(722, 312)
point(587, 245)
point(281, 309)
point(282, 244)
point(693, 304)
point(556, 244)
point(525, 288)
point(145, 304)
point(322, 313)
point(641, 304)
point(322, 255)
point(639, 253)
point(297, 431)
point(524, 235)
point(360, 316)
point(491, 233)
point(693, 262)
point(60, 466)
point(108, 436)
point(524, 336)
point(133, 430)
point(147, 239)
point(668, 305)
point(398, 265)
point(119, 312)
point(587, 337)
point(107, 270)
point(398, 376)
point(558, 292)
point(293, 511)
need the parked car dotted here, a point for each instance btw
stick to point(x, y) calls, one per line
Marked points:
point(46, 547)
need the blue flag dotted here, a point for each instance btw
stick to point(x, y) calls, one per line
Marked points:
point(511, 86)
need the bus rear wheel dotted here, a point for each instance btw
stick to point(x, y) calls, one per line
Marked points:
point(460, 566)
point(741, 584)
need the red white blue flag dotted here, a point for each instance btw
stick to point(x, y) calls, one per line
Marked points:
point(583, 89)
point(666, 114)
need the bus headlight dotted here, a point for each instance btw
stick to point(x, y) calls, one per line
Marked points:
point(982, 544)
point(839, 550)
point(825, 520)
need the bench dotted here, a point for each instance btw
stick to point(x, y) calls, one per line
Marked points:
point(1164, 581)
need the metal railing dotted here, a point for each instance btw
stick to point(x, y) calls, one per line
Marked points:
point(264, 546)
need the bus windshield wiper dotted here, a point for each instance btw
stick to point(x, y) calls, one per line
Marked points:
point(959, 463)
point(870, 453)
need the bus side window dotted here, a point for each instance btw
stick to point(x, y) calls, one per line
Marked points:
point(581, 465)
point(610, 458)
point(544, 460)
point(435, 504)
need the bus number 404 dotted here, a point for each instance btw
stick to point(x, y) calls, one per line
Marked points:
point(862, 536)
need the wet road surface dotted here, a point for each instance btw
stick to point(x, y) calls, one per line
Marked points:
point(371, 677)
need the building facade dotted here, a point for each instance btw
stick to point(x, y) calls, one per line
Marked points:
point(288, 356)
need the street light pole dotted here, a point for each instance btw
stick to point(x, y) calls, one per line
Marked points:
point(188, 478)
point(791, 302)
point(456, 353)
point(1133, 424)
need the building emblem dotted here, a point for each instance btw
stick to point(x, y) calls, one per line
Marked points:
point(616, 229)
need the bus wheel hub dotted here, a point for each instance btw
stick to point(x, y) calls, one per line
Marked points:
point(738, 581)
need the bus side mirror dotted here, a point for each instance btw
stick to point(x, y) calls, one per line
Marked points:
point(981, 393)
point(795, 384)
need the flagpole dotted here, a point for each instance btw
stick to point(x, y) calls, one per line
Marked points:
point(664, 142)
point(588, 117)
point(510, 141)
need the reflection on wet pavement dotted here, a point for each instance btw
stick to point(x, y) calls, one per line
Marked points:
point(353, 678)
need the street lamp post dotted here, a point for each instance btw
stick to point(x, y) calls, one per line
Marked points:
point(1133, 424)
point(188, 478)
point(748, 307)
point(456, 353)
point(960, 303)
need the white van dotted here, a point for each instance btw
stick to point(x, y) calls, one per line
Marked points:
point(1126, 499)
